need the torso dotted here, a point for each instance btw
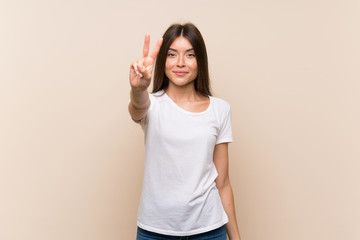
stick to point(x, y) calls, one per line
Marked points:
point(179, 195)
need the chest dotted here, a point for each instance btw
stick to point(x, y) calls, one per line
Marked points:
point(194, 107)
point(179, 128)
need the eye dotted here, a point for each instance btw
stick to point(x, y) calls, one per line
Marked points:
point(171, 54)
point(191, 55)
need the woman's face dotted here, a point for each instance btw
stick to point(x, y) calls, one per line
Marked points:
point(181, 65)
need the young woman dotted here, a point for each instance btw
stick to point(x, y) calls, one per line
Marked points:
point(186, 190)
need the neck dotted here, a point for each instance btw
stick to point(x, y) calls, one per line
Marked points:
point(182, 93)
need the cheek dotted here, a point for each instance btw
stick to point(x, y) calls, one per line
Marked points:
point(167, 65)
point(193, 65)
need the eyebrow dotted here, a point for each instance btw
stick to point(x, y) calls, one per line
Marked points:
point(172, 49)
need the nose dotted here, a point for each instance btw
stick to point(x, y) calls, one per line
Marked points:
point(181, 61)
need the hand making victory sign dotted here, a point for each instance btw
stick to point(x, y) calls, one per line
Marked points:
point(141, 70)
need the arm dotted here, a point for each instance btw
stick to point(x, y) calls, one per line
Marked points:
point(223, 184)
point(140, 78)
point(139, 104)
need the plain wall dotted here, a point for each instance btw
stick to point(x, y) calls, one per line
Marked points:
point(71, 159)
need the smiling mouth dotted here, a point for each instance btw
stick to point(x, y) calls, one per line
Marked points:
point(180, 73)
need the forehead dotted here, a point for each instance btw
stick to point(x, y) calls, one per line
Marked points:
point(181, 43)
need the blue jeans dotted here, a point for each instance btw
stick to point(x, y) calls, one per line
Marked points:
point(216, 234)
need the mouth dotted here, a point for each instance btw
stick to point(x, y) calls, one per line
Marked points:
point(180, 73)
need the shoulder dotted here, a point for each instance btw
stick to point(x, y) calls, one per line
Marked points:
point(156, 100)
point(157, 96)
point(158, 93)
point(220, 104)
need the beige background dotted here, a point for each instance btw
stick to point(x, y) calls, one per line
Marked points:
point(71, 160)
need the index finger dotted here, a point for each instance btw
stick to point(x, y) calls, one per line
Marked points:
point(146, 45)
point(155, 52)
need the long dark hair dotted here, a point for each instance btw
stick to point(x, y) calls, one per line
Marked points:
point(193, 35)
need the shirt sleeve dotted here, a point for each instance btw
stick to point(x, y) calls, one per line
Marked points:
point(225, 132)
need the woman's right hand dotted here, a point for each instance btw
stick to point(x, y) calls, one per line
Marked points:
point(141, 70)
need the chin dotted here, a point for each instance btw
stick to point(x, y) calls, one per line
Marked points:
point(181, 82)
